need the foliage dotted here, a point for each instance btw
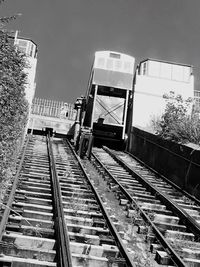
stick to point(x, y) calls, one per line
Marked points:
point(13, 105)
point(176, 123)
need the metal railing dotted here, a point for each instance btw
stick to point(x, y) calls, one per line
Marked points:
point(51, 108)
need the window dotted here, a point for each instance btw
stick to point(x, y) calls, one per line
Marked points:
point(177, 73)
point(100, 62)
point(109, 64)
point(22, 45)
point(118, 65)
point(144, 68)
point(114, 55)
point(154, 68)
point(127, 66)
point(166, 70)
point(186, 74)
point(31, 47)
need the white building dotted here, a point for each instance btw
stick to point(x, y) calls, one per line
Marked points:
point(30, 49)
point(153, 79)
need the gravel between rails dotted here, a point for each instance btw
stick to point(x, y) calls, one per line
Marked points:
point(136, 243)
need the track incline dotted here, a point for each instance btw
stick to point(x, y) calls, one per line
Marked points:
point(52, 214)
point(171, 213)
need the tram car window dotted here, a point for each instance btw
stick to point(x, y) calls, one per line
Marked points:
point(109, 88)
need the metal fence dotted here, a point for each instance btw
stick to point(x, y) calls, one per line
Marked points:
point(51, 108)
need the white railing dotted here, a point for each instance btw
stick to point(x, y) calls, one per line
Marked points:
point(52, 108)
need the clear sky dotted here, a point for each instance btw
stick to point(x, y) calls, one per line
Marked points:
point(68, 32)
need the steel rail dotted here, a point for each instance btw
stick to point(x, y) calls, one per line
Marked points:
point(174, 256)
point(186, 218)
point(12, 193)
point(63, 243)
point(111, 226)
point(164, 178)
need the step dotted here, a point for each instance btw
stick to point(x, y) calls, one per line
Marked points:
point(37, 215)
point(83, 238)
point(165, 218)
point(90, 230)
point(192, 212)
point(77, 194)
point(142, 199)
point(137, 193)
point(33, 207)
point(179, 235)
point(78, 220)
point(92, 250)
point(197, 218)
point(31, 230)
point(31, 221)
point(83, 214)
point(80, 206)
point(158, 211)
point(31, 181)
point(152, 206)
point(39, 177)
point(192, 262)
point(71, 181)
point(189, 253)
point(174, 227)
point(19, 262)
point(190, 206)
point(73, 187)
point(29, 242)
point(41, 184)
point(37, 254)
point(35, 167)
point(83, 200)
point(34, 194)
point(36, 189)
point(183, 244)
point(92, 261)
point(34, 200)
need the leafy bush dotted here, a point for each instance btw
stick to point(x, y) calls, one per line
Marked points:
point(13, 105)
point(178, 123)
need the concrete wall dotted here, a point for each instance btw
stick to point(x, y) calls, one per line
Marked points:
point(61, 126)
point(179, 163)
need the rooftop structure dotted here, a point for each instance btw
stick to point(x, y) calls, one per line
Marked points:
point(153, 79)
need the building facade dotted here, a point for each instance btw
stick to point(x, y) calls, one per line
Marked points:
point(153, 80)
point(28, 47)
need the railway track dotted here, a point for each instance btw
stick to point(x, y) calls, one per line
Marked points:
point(171, 213)
point(52, 214)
